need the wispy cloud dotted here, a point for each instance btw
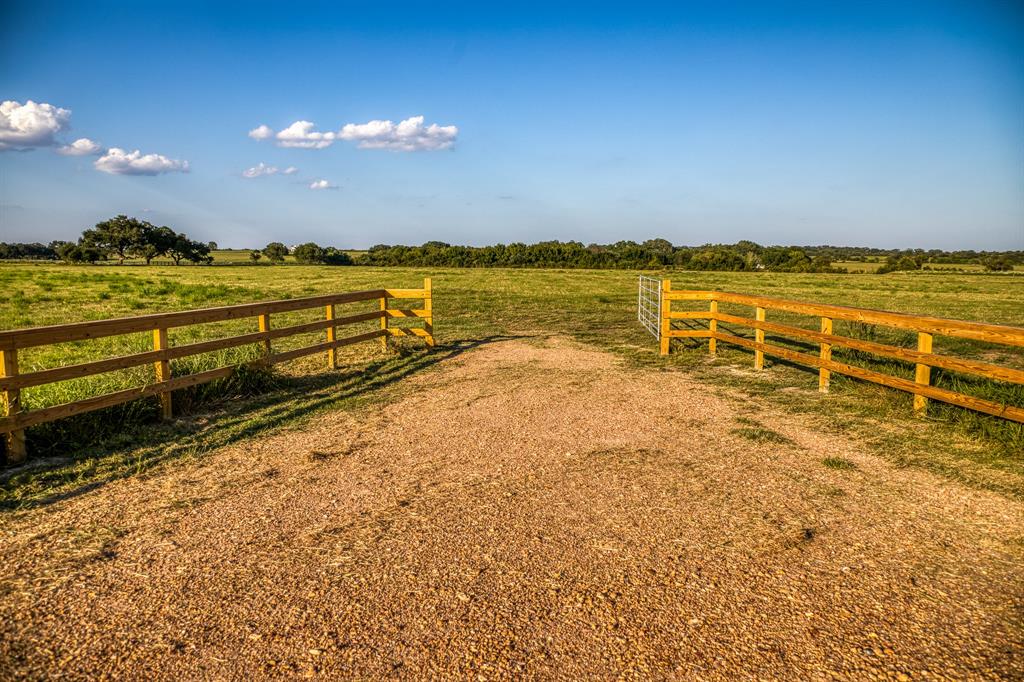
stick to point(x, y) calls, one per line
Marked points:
point(322, 184)
point(259, 170)
point(120, 162)
point(83, 146)
point(30, 125)
point(410, 135)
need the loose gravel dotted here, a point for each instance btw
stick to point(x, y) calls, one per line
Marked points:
point(531, 508)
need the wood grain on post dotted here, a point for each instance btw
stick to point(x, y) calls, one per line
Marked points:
point(922, 372)
point(428, 307)
point(713, 327)
point(15, 438)
point(759, 337)
point(332, 353)
point(666, 315)
point(825, 355)
point(163, 371)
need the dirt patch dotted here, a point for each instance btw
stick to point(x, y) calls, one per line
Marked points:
point(528, 509)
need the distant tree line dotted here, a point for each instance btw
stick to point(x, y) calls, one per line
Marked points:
point(660, 253)
point(122, 237)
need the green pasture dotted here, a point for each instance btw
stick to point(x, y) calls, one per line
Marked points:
point(472, 306)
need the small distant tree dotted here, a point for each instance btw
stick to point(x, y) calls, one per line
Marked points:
point(212, 246)
point(309, 253)
point(997, 264)
point(333, 256)
point(275, 252)
point(119, 235)
point(255, 256)
point(157, 241)
point(184, 248)
point(76, 253)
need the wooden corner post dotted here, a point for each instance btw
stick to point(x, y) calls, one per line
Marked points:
point(826, 355)
point(713, 327)
point(665, 315)
point(384, 323)
point(759, 338)
point(428, 308)
point(922, 373)
point(12, 405)
point(332, 353)
point(163, 371)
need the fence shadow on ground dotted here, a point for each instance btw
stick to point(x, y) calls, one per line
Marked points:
point(219, 425)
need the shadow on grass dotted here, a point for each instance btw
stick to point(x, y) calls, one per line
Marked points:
point(220, 425)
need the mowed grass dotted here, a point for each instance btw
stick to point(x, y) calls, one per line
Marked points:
point(472, 306)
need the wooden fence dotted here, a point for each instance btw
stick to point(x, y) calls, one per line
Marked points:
point(12, 381)
point(922, 357)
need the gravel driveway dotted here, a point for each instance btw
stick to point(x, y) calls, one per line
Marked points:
point(529, 508)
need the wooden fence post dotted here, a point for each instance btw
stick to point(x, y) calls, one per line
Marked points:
point(163, 371)
point(922, 373)
point(384, 323)
point(332, 353)
point(759, 337)
point(666, 310)
point(826, 355)
point(12, 405)
point(713, 328)
point(264, 322)
point(428, 306)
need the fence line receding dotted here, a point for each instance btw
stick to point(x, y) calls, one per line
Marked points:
point(16, 420)
point(922, 357)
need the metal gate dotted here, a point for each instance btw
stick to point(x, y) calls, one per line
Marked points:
point(648, 307)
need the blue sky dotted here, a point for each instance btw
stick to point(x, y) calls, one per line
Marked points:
point(881, 124)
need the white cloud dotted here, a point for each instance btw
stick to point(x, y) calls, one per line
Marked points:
point(261, 132)
point(322, 184)
point(119, 162)
point(409, 135)
point(259, 170)
point(83, 146)
point(30, 124)
point(302, 136)
point(290, 170)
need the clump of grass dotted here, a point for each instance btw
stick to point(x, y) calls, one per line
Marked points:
point(840, 463)
point(760, 434)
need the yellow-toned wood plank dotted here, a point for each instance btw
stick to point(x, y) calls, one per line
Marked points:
point(922, 372)
point(825, 355)
point(690, 315)
point(14, 437)
point(163, 371)
point(405, 293)
point(689, 333)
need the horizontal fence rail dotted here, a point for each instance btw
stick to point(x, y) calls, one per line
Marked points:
point(16, 420)
point(922, 356)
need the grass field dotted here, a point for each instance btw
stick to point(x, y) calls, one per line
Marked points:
point(597, 307)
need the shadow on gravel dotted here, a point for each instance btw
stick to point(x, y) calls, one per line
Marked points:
point(222, 423)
